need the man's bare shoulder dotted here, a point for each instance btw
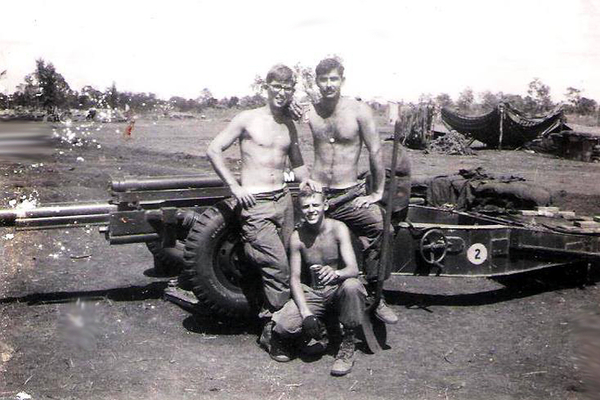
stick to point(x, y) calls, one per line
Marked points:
point(249, 115)
point(355, 107)
point(336, 226)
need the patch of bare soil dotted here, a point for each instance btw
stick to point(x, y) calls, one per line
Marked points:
point(81, 319)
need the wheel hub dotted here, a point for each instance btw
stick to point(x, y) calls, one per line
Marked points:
point(228, 258)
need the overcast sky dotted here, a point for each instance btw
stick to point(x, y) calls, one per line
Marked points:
point(394, 49)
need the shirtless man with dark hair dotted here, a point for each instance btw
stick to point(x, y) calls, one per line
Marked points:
point(339, 127)
point(267, 137)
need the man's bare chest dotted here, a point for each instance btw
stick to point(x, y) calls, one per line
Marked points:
point(268, 137)
point(332, 129)
point(321, 251)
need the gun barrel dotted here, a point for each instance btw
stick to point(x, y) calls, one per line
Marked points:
point(57, 215)
point(165, 183)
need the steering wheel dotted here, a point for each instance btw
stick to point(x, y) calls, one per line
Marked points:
point(433, 246)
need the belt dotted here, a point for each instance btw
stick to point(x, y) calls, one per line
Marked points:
point(332, 192)
point(337, 197)
point(273, 195)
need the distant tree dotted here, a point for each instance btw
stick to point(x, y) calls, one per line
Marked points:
point(125, 99)
point(425, 98)
point(144, 102)
point(179, 103)
point(4, 100)
point(83, 101)
point(539, 96)
point(222, 103)
point(443, 100)
point(233, 102)
point(465, 100)
point(72, 99)
point(112, 96)
point(573, 96)
point(206, 98)
point(54, 90)
point(489, 101)
point(27, 94)
point(586, 106)
point(95, 98)
point(258, 85)
point(530, 106)
point(252, 101)
point(579, 104)
point(515, 100)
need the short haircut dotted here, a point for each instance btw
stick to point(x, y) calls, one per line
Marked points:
point(329, 64)
point(307, 192)
point(281, 73)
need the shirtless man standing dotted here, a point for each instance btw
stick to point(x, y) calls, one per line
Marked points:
point(267, 137)
point(320, 252)
point(339, 127)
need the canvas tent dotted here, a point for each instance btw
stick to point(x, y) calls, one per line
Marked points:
point(505, 126)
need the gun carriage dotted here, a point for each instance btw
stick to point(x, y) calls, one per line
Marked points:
point(189, 224)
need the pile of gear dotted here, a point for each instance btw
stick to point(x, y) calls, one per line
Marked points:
point(452, 143)
point(476, 190)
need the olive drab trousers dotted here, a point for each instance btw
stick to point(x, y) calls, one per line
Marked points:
point(266, 230)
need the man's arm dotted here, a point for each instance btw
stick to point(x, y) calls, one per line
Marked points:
point(297, 162)
point(368, 131)
point(342, 236)
point(295, 274)
point(222, 142)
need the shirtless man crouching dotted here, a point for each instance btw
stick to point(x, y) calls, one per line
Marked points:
point(323, 278)
point(339, 127)
point(267, 137)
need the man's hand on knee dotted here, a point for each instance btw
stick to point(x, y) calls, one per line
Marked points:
point(312, 327)
point(365, 201)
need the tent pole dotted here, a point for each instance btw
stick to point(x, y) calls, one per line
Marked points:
point(501, 109)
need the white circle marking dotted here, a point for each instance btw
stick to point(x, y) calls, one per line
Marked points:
point(477, 254)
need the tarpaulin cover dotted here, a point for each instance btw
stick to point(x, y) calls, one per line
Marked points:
point(477, 190)
point(517, 129)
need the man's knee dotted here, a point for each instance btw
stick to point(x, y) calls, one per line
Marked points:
point(352, 286)
point(287, 329)
point(288, 321)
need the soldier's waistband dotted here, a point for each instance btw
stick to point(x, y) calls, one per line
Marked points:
point(337, 197)
point(355, 189)
point(272, 195)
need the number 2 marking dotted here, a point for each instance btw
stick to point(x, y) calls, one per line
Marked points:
point(477, 254)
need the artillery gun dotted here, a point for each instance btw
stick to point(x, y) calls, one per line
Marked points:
point(189, 223)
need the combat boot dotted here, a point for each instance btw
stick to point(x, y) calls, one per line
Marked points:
point(264, 341)
point(279, 351)
point(344, 360)
point(385, 313)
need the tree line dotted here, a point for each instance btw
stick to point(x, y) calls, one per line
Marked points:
point(45, 88)
point(537, 101)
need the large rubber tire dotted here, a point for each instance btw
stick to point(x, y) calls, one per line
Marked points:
point(214, 265)
point(166, 264)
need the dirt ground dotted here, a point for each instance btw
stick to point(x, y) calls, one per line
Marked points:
point(84, 320)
